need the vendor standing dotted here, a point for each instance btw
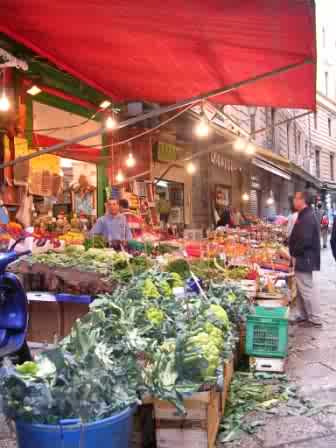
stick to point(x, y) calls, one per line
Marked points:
point(135, 221)
point(113, 226)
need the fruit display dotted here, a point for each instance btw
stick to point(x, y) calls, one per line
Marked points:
point(73, 237)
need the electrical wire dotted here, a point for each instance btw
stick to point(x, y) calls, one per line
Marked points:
point(82, 123)
point(141, 134)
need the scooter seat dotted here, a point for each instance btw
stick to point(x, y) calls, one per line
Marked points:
point(13, 314)
point(6, 258)
point(3, 336)
point(13, 344)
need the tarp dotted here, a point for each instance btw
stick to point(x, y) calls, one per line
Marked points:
point(76, 152)
point(168, 51)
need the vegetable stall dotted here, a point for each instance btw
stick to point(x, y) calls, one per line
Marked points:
point(165, 328)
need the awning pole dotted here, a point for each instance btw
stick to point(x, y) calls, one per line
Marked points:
point(159, 111)
point(259, 131)
point(227, 116)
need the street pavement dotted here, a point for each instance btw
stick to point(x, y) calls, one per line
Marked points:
point(311, 365)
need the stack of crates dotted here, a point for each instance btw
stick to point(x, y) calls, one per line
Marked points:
point(267, 338)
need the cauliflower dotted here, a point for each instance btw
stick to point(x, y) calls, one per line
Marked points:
point(155, 315)
point(203, 352)
point(218, 316)
point(177, 280)
point(149, 290)
point(168, 346)
point(165, 289)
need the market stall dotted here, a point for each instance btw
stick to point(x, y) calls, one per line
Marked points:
point(168, 330)
point(180, 318)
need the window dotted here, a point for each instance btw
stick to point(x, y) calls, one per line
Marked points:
point(326, 82)
point(288, 139)
point(329, 126)
point(332, 173)
point(306, 149)
point(299, 142)
point(317, 162)
point(253, 125)
point(323, 37)
point(315, 120)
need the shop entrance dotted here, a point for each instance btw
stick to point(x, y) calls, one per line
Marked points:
point(170, 199)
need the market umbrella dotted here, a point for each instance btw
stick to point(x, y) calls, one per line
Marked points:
point(171, 51)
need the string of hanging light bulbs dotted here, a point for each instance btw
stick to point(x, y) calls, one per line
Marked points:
point(202, 130)
point(4, 101)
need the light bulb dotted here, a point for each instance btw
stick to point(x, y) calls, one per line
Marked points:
point(4, 103)
point(239, 144)
point(120, 177)
point(202, 128)
point(191, 168)
point(130, 161)
point(110, 123)
point(105, 104)
point(250, 149)
point(34, 90)
point(245, 197)
point(270, 201)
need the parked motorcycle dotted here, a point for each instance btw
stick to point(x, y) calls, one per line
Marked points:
point(13, 310)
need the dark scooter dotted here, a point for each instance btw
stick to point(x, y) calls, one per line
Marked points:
point(13, 310)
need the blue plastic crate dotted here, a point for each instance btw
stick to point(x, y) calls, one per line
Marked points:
point(72, 298)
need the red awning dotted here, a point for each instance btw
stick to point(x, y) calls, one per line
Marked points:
point(168, 51)
point(77, 152)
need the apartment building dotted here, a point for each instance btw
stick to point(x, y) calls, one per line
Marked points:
point(307, 143)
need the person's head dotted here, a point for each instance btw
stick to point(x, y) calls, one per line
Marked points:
point(302, 200)
point(112, 207)
point(292, 206)
point(123, 204)
point(319, 206)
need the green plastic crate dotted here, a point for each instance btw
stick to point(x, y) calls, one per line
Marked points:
point(267, 333)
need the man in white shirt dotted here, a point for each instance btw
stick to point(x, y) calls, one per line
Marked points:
point(291, 221)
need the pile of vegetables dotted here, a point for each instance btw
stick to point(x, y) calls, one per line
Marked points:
point(233, 299)
point(115, 266)
point(140, 340)
point(253, 392)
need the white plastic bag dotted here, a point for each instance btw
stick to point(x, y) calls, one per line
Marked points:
point(24, 213)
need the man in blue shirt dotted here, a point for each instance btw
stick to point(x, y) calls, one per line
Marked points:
point(113, 226)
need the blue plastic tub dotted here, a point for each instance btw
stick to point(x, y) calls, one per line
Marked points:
point(112, 432)
point(72, 298)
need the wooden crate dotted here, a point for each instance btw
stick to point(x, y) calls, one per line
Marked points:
point(45, 322)
point(199, 428)
point(269, 296)
point(70, 313)
point(274, 303)
point(143, 428)
point(250, 287)
point(240, 348)
point(228, 374)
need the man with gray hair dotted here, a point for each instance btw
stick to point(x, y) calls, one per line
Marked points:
point(305, 248)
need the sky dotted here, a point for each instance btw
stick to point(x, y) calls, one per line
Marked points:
point(327, 10)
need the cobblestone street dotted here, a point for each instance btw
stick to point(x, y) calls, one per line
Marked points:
point(312, 366)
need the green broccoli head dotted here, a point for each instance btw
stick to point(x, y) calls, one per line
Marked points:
point(155, 315)
point(218, 316)
point(149, 290)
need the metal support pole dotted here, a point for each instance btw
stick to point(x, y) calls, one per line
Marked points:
point(224, 115)
point(156, 112)
point(259, 131)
